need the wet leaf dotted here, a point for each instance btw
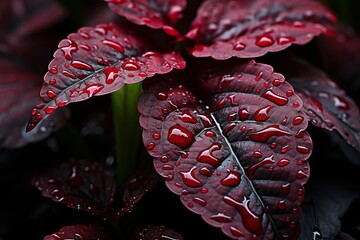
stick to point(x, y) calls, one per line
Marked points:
point(136, 187)
point(19, 89)
point(81, 185)
point(159, 233)
point(232, 143)
point(79, 232)
point(326, 104)
point(246, 29)
point(152, 13)
point(96, 61)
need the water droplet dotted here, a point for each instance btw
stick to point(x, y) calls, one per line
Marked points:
point(63, 103)
point(205, 171)
point(303, 149)
point(262, 114)
point(231, 117)
point(275, 98)
point(189, 178)
point(232, 100)
point(85, 47)
point(259, 76)
point(285, 40)
point(93, 89)
point(156, 136)
point(220, 104)
point(53, 70)
point(69, 49)
point(298, 120)
point(81, 65)
point(199, 201)
point(49, 110)
point(300, 174)
point(251, 170)
point(209, 133)
point(190, 205)
point(130, 66)
point(284, 149)
point(206, 156)
point(232, 179)
point(163, 159)
point(298, 24)
point(68, 74)
point(228, 128)
point(167, 167)
point(220, 217)
point(114, 45)
point(150, 146)
point(264, 40)
point(161, 96)
point(85, 35)
point(283, 162)
point(243, 114)
point(111, 74)
point(180, 136)
point(341, 103)
point(281, 204)
point(236, 232)
point(204, 190)
point(187, 117)
point(239, 46)
point(51, 94)
point(285, 189)
point(206, 120)
point(250, 220)
point(52, 81)
point(264, 134)
point(300, 191)
point(289, 93)
point(277, 82)
point(296, 104)
point(257, 154)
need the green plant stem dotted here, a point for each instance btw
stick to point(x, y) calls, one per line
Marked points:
point(127, 131)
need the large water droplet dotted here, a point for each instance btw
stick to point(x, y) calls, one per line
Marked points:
point(206, 156)
point(262, 114)
point(81, 65)
point(220, 217)
point(180, 136)
point(199, 201)
point(232, 179)
point(264, 134)
point(187, 117)
point(264, 40)
point(93, 89)
point(189, 178)
point(275, 98)
point(253, 168)
point(243, 114)
point(130, 66)
point(68, 50)
point(114, 45)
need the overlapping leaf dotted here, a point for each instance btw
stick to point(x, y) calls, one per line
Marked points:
point(152, 13)
point(246, 29)
point(96, 61)
point(80, 232)
point(326, 104)
point(81, 185)
point(19, 89)
point(233, 145)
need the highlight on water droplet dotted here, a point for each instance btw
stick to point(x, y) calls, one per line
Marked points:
point(264, 40)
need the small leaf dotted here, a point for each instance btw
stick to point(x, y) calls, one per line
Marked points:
point(233, 144)
point(97, 61)
point(81, 185)
point(152, 13)
point(137, 186)
point(158, 233)
point(246, 29)
point(80, 232)
point(18, 93)
point(325, 103)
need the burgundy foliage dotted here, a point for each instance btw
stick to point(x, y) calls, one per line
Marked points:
point(229, 137)
point(245, 29)
point(81, 185)
point(96, 61)
point(231, 152)
point(79, 232)
point(326, 104)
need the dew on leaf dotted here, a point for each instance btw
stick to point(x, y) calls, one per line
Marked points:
point(68, 50)
point(285, 40)
point(180, 136)
point(199, 201)
point(130, 66)
point(251, 171)
point(68, 74)
point(275, 98)
point(206, 156)
point(264, 40)
point(111, 73)
point(81, 65)
point(239, 46)
point(205, 171)
point(264, 134)
point(93, 89)
point(262, 114)
point(189, 178)
point(113, 45)
point(220, 217)
point(232, 179)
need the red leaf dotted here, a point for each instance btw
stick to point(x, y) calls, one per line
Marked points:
point(326, 104)
point(81, 185)
point(97, 61)
point(80, 232)
point(154, 13)
point(158, 233)
point(246, 29)
point(18, 93)
point(235, 151)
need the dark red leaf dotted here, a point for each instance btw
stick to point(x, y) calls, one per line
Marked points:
point(326, 104)
point(340, 55)
point(158, 233)
point(246, 29)
point(80, 232)
point(235, 151)
point(97, 61)
point(81, 185)
point(136, 187)
point(152, 13)
point(20, 18)
point(19, 89)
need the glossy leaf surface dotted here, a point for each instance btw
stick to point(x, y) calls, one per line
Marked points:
point(96, 61)
point(19, 89)
point(233, 144)
point(325, 103)
point(79, 232)
point(152, 13)
point(246, 29)
point(81, 185)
